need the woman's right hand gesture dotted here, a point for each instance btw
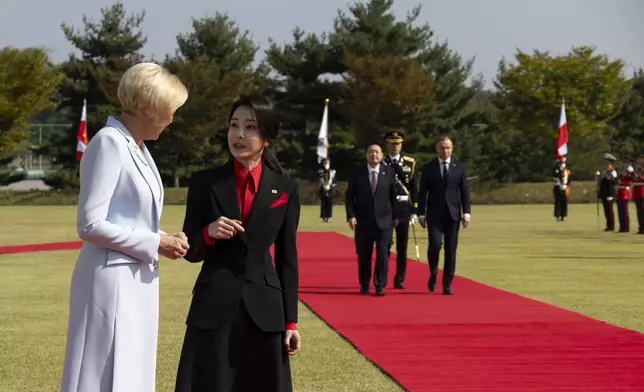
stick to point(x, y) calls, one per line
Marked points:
point(173, 246)
point(224, 228)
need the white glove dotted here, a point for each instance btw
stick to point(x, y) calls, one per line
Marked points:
point(609, 199)
point(413, 219)
point(613, 174)
point(629, 169)
point(326, 188)
point(563, 187)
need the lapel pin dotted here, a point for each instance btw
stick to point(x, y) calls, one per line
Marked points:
point(273, 191)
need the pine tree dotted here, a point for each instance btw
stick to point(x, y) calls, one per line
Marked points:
point(108, 48)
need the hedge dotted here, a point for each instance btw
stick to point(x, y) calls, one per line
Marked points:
point(525, 193)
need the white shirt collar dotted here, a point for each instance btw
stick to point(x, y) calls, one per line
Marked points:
point(396, 157)
point(442, 162)
point(376, 169)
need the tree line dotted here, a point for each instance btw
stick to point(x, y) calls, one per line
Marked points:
point(379, 72)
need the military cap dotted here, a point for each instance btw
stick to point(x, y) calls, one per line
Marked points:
point(609, 157)
point(394, 137)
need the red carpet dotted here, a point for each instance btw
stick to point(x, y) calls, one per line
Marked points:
point(7, 250)
point(480, 339)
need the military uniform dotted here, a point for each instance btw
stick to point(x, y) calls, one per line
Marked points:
point(623, 196)
point(606, 192)
point(327, 183)
point(407, 199)
point(638, 198)
point(560, 190)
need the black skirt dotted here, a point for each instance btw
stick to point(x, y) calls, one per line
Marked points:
point(237, 357)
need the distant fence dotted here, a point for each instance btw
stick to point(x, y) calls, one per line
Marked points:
point(31, 160)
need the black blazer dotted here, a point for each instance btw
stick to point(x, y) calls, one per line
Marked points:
point(369, 209)
point(241, 267)
point(433, 195)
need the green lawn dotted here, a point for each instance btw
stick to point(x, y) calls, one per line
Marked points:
point(516, 248)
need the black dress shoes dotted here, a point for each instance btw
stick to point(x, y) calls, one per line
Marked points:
point(398, 285)
point(380, 292)
point(447, 291)
point(364, 290)
point(431, 285)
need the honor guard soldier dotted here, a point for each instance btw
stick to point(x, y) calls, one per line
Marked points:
point(327, 183)
point(638, 193)
point(624, 183)
point(407, 197)
point(606, 191)
point(561, 189)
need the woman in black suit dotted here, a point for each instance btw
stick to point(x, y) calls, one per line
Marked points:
point(241, 327)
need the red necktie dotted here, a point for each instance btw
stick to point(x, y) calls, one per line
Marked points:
point(249, 194)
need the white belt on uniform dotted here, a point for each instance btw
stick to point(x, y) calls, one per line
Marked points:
point(402, 198)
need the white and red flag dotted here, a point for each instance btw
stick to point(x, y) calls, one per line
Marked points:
point(81, 135)
point(562, 135)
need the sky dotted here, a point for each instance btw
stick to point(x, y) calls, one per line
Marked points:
point(485, 29)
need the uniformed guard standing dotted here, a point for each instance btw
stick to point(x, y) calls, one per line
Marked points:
point(624, 183)
point(407, 196)
point(327, 183)
point(606, 191)
point(561, 189)
point(638, 193)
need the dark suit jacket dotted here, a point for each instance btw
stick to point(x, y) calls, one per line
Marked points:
point(369, 209)
point(241, 268)
point(434, 196)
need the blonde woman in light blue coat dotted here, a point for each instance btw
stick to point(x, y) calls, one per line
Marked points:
point(114, 299)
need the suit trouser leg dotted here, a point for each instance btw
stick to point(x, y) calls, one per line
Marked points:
point(364, 239)
point(640, 214)
point(402, 239)
point(557, 209)
point(622, 212)
point(435, 233)
point(609, 214)
point(382, 265)
point(564, 205)
point(450, 231)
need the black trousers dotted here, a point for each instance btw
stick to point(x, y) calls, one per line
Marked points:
point(326, 205)
point(402, 239)
point(365, 237)
point(561, 203)
point(623, 215)
point(447, 228)
point(640, 214)
point(609, 214)
point(237, 357)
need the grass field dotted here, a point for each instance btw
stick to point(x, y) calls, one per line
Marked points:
point(516, 248)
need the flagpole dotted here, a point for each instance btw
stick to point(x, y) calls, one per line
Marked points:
point(326, 105)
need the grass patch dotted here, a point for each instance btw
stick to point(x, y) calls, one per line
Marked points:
point(517, 248)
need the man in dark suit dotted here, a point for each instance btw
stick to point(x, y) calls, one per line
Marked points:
point(443, 205)
point(370, 204)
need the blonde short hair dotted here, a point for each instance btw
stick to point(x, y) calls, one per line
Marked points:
point(149, 89)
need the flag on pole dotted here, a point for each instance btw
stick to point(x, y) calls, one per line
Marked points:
point(81, 135)
point(562, 135)
point(323, 135)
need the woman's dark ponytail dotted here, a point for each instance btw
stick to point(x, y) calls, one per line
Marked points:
point(270, 160)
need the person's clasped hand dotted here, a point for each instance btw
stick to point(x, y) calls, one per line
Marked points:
point(173, 246)
point(224, 228)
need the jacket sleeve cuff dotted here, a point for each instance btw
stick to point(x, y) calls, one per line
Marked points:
point(206, 238)
point(291, 326)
